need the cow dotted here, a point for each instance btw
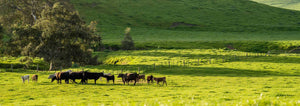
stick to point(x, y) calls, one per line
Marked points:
point(149, 78)
point(52, 77)
point(129, 77)
point(63, 75)
point(160, 79)
point(25, 77)
point(92, 75)
point(110, 77)
point(141, 76)
point(105, 74)
point(34, 77)
point(77, 75)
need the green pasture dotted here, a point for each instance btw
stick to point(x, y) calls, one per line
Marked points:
point(242, 78)
point(287, 4)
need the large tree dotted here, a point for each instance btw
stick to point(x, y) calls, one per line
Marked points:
point(53, 32)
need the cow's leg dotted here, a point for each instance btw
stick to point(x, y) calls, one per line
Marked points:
point(28, 80)
point(114, 81)
point(95, 81)
point(166, 83)
point(134, 82)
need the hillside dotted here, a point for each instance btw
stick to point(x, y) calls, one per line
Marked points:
point(288, 4)
point(204, 15)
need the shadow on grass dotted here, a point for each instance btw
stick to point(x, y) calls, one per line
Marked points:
point(193, 71)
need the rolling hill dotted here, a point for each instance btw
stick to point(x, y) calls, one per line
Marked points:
point(220, 15)
point(287, 4)
point(158, 23)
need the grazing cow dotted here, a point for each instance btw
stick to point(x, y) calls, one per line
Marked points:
point(110, 77)
point(105, 74)
point(141, 76)
point(161, 79)
point(92, 75)
point(149, 78)
point(63, 75)
point(129, 77)
point(121, 75)
point(77, 75)
point(52, 77)
point(25, 77)
point(34, 77)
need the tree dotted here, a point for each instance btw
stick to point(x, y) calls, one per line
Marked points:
point(127, 42)
point(58, 35)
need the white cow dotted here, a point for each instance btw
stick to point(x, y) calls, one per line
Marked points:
point(25, 77)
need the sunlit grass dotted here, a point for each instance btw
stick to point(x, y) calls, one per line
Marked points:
point(252, 80)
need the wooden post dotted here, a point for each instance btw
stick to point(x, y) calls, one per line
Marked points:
point(154, 66)
point(139, 69)
point(209, 60)
point(183, 63)
point(37, 67)
point(169, 64)
point(198, 62)
point(121, 71)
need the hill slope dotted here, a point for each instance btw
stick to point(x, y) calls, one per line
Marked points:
point(288, 4)
point(222, 15)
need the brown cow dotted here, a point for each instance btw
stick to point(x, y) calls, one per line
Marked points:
point(160, 79)
point(141, 76)
point(129, 77)
point(63, 75)
point(149, 78)
point(34, 77)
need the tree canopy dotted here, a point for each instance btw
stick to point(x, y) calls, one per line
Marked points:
point(51, 31)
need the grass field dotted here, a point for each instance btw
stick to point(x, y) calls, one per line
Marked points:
point(288, 4)
point(199, 68)
point(242, 80)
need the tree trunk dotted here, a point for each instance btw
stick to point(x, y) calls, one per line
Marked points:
point(51, 66)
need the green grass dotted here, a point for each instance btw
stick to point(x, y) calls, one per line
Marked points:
point(218, 21)
point(246, 80)
point(288, 4)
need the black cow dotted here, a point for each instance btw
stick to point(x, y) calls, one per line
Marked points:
point(92, 75)
point(110, 77)
point(77, 75)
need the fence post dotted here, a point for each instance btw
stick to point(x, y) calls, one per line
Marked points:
point(154, 66)
point(183, 63)
point(198, 62)
point(37, 67)
point(169, 64)
point(139, 69)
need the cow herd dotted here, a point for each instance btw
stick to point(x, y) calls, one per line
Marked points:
point(84, 76)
